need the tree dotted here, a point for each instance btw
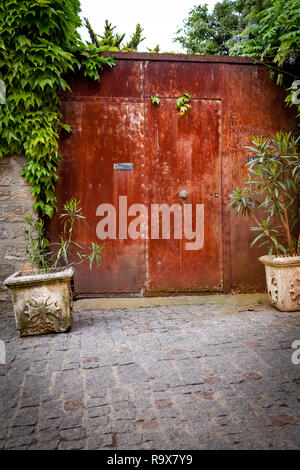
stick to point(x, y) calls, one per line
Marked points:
point(267, 30)
point(271, 32)
point(211, 33)
point(111, 41)
point(273, 35)
point(135, 39)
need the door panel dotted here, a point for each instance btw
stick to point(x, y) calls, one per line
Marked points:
point(105, 133)
point(183, 153)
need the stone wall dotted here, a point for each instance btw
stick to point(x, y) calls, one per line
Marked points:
point(15, 203)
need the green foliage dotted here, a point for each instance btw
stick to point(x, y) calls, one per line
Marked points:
point(37, 243)
point(271, 193)
point(213, 33)
point(111, 41)
point(273, 34)
point(67, 252)
point(208, 33)
point(93, 35)
point(135, 39)
point(39, 44)
point(182, 103)
point(155, 100)
point(268, 30)
point(155, 50)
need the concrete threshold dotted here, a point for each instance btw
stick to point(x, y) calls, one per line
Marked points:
point(236, 300)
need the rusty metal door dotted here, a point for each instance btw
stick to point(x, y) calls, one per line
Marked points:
point(184, 153)
point(104, 133)
point(168, 153)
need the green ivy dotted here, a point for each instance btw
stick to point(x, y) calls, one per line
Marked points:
point(182, 103)
point(39, 44)
point(155, 100)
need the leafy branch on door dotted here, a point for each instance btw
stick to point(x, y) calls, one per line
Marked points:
point(182, 103)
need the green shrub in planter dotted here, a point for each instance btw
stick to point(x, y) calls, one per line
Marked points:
point(42, 299)
point(271, 197)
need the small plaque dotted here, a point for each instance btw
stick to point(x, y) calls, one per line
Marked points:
point(123, 166)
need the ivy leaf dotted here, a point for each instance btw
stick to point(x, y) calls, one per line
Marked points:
point(39, 45)
point(155, 100)
point(23, 40)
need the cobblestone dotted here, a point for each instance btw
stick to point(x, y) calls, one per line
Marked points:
point(176, 377)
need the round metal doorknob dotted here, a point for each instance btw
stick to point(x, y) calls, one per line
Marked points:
point(183, 194)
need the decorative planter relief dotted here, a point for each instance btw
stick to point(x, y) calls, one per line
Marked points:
point(283, 281)
point(42, 302)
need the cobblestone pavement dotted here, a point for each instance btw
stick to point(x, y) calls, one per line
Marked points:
point(181, 377)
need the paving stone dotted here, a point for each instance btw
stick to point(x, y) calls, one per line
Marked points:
point(21, 431)
point(128, 440)
point(98, 411)
point(19, 442)
point(98, 422)
point(108, 440)
point(94, 442)
point(132, 373)
point(51, 445)
point(73, 445)
point(49, 424)
point(72, 434)
point(181, 377)
point(71, 420)
point(291, 435)
point(26, 417)
point(48, 436)
point(71, 405)
point(123, 426)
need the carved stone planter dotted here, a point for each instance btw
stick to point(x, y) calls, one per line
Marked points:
point(42, 302)
point(283, 281)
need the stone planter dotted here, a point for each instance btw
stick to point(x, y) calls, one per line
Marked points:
point(283, 281)
point(42, 302)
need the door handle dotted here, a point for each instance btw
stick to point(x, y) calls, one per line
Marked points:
point(183, 194)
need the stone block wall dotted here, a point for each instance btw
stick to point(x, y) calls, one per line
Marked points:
point(15, 203)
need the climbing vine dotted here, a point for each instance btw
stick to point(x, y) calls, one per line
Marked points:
point(155, 100)
point(182, 103)
point(39, 44)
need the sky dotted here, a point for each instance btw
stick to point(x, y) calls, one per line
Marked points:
point(159, 18)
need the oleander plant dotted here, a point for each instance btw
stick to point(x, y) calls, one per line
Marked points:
point(271, 193)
